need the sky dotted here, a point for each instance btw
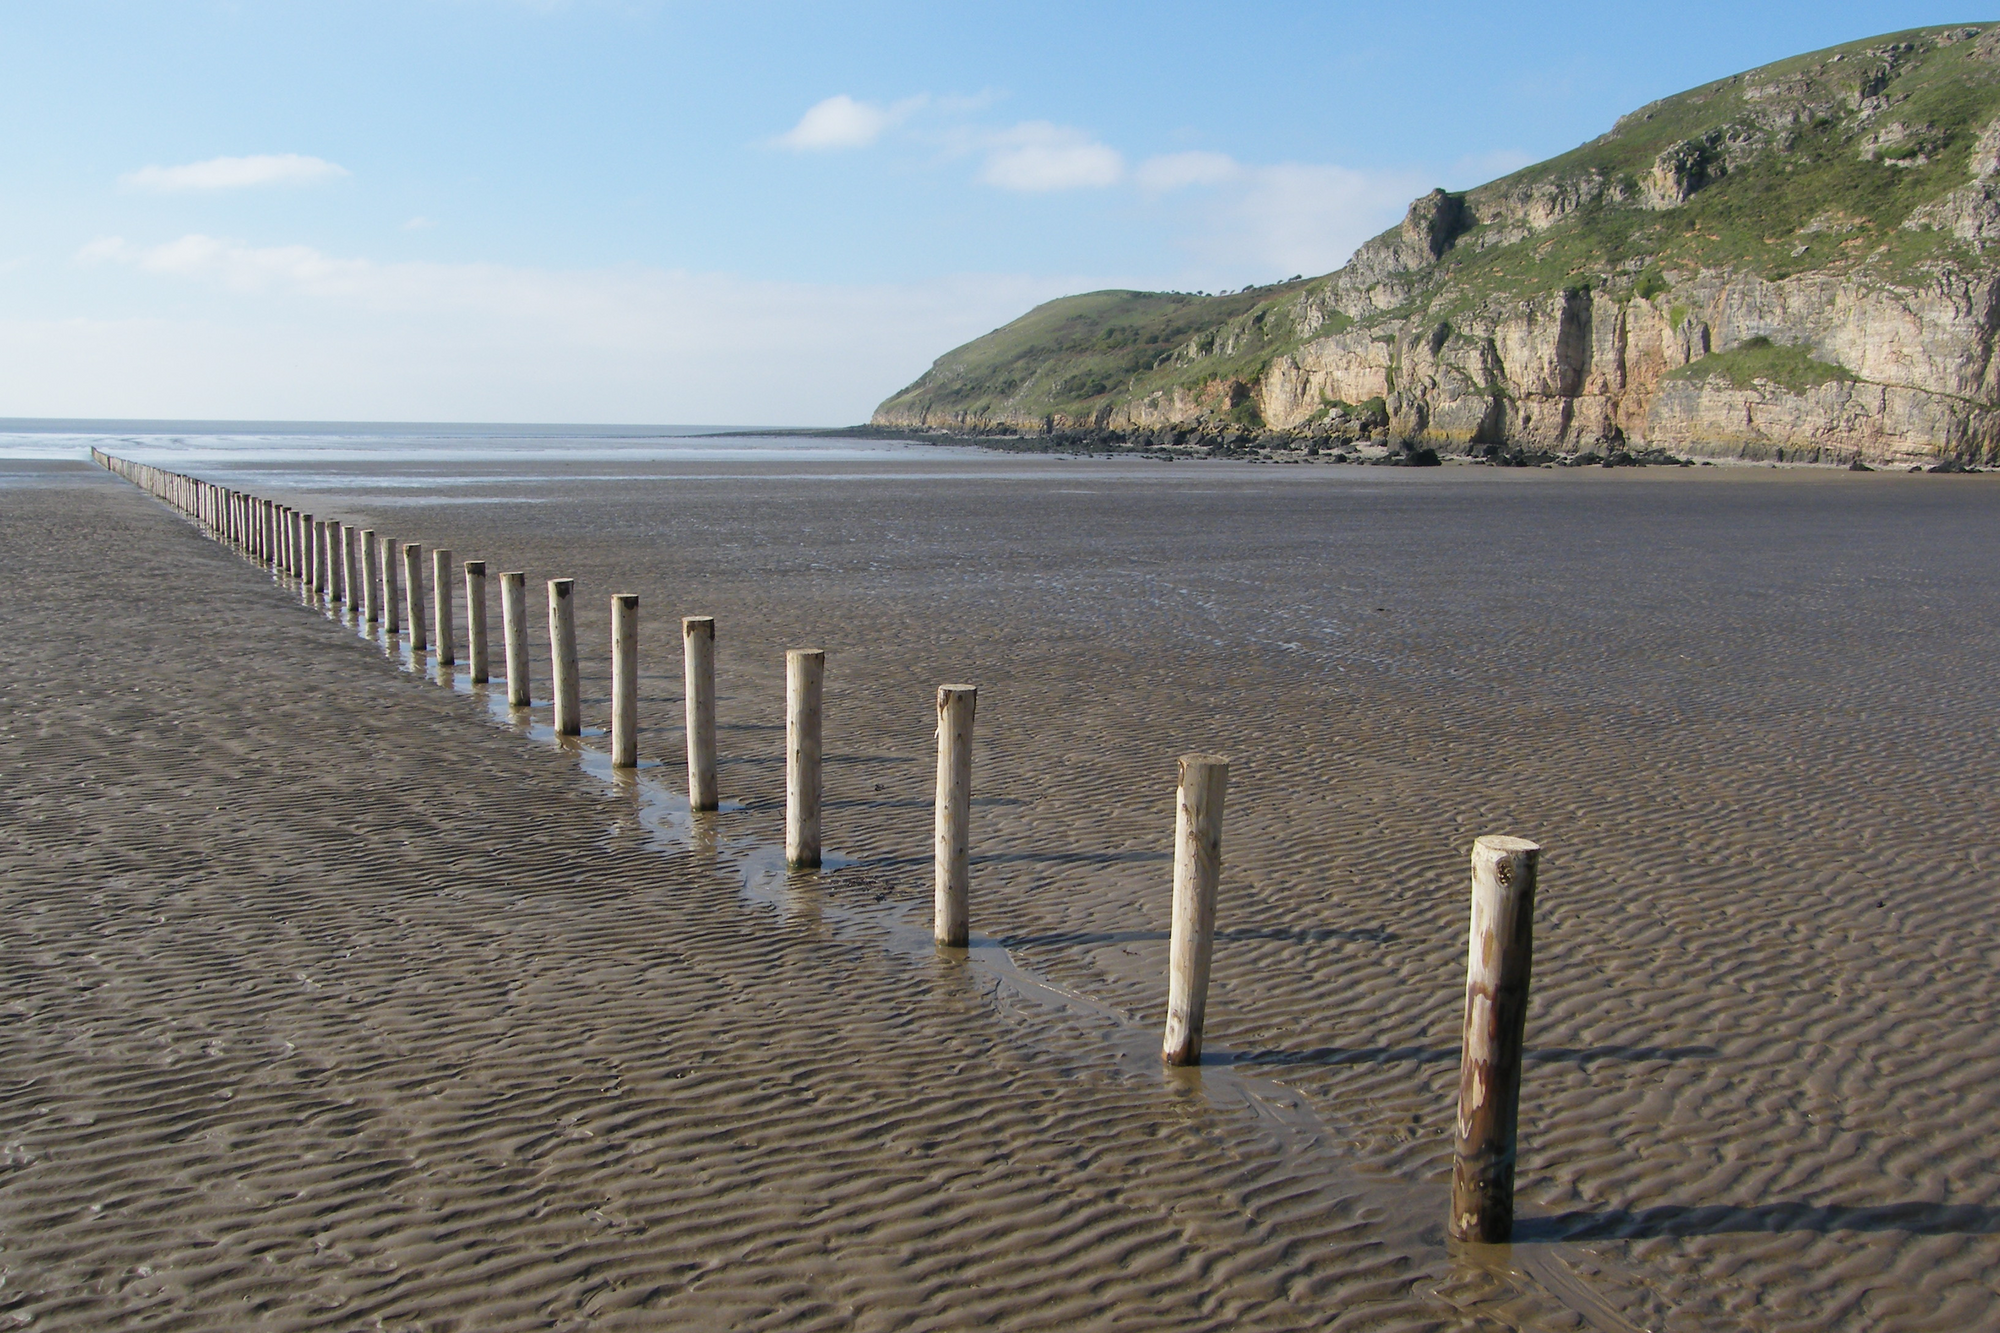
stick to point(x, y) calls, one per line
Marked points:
point(745, 213)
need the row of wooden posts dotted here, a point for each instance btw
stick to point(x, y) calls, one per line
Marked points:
point(339, 562)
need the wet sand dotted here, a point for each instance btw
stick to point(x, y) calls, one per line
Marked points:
point(337, 999)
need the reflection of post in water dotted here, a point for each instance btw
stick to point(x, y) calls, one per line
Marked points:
point(704, 838)
point(1496, 1015)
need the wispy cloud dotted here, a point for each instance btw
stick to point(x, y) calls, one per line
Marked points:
point(1308, 218)
point(843, 122)
point(1177, 171)
point(235, 173)
point(1037, 156)
point(291, 330)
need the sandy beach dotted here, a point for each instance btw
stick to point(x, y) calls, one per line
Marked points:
point(337, 997)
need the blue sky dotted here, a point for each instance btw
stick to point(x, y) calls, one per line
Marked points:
point(492, 210)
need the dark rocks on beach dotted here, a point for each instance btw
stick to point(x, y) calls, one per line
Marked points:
point(1858, 466)
point(1949, 465)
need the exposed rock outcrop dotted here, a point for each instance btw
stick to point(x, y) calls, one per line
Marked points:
point(1797, 259)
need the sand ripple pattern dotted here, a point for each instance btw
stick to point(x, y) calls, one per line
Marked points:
point(338, 1005)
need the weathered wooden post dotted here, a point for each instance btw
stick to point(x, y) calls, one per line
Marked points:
point(514, 625)
point(475, 618)
point(625, 680)
point(392, 593)
point(441, 581)
point(950, 918)
point(1496, 1018)
point(1197, 868)
point(321, 579)
point(562, 657)
point(336, 562)
point(805, 672)
point(413, 574)
point(698, 671)
point(371, 582)
point(350, 557)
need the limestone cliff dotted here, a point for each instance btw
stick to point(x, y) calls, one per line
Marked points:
point(1800, 258)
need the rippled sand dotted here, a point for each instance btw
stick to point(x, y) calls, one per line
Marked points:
point(336, 998)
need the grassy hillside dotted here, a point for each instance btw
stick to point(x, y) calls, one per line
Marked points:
point(1080, 350)
point(1811, 164)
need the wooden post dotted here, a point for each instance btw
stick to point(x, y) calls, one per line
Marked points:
point(441, 581)
point(1496, 1017)
point(562, 657)
point(950, 921)
point(371, 581)
point(475, 618)
point(336, 562)
point(392, 594)
point(514, 626)
point(321, 580)
point(698, 671)
point(350, 558)
point(625, 680)
point(805, 671)
point(1197, 868)
point(413, 574)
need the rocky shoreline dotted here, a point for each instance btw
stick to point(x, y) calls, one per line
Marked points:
point(1378, 450)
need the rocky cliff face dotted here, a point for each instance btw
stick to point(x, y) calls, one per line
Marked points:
point(1791, 262)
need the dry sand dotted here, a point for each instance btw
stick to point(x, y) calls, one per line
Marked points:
point(336, 999)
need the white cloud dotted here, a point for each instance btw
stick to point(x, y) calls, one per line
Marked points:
point(236, 330)
point(234, 173)
point(1479, 168)
point(419, 223)
point(1037, 156)
point(1304, 218)
point(1176, 171)
point(842, 122)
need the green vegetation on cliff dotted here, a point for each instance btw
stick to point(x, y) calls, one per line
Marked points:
point(1102, 345)
point(1759, 360)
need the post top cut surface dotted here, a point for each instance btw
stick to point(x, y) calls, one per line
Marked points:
point(805, 652)
point(1202, 760)
point(958, 689)
point(626, 598)
point(1504, 844)
point(561, 587)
